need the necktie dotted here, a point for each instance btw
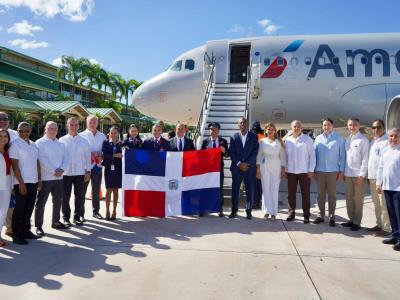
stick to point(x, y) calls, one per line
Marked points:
point(214, 144)
point(180, 145)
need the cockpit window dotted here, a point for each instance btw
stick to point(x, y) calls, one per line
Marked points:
point(176, 66)
point(189, 64)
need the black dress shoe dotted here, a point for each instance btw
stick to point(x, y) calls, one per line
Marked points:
point(78, 222)
point(31, 236)
point(397, 247)
point(249, 215)
point(390, 241)
point(306, 220)
point(290, 218)
point(59, 225)
point(67, 223)
point(20, 241)
point(97, 215)
point(318, 220)
point(40, 232)
point(347, 224)
point(332, 222)
point(221, 214)
point(233, 215)
point(355, 227)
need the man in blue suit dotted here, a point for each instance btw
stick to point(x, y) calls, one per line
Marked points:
point(156, 142)
point(180, 142)
point(243, 151)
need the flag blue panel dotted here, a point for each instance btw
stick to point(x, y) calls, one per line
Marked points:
point(200, 201)
point(143, 162)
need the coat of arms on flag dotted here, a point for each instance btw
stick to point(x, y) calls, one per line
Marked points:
point(161, 184)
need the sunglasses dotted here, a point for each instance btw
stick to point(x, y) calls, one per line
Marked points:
point(376, 127)
point(3, 119)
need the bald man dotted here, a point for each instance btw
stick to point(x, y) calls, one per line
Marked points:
point(53, 161)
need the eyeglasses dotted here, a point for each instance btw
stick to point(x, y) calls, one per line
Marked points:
point(3, 119)
point(376, 127)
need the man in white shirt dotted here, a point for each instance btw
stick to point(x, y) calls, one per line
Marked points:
point(5, 124)
point(27, 181)
point(377, 144)
point(77, 171)
point(95, 139)
point(355, 172)
point(53, 161)
point(388, 181)
point(300, 165)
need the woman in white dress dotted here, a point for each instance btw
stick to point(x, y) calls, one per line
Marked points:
point(5, 179)
point(271, 161)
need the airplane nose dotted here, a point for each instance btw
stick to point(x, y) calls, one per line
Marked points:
point(147, 94)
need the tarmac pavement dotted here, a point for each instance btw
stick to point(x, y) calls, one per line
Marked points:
point(203, 258)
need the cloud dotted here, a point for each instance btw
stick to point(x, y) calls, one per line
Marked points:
point(271, 29)
point(1, 28)
point(2, 11)
point(264, 22)
point(72, 10)
point(57, 62)
point(24, 28)
point(95, 62)
point(236, 29)
point(25, 44)
point(268, 26)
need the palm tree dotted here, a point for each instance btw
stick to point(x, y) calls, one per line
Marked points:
point(90, 75)
point(128, 87)
point(20, 116)
point(114, 84)
point(71, 70)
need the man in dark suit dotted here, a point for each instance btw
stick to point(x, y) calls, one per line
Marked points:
point(243, 151)
point(156, 142)
point(180, 142)
point(215, 141)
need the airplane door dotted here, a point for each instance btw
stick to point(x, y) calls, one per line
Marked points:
point(220, 51)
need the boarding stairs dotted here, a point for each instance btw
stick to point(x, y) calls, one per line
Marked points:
point(224, 103)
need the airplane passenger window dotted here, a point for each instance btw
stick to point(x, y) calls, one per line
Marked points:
point(321, 61)
point(364, 60)
point(189, 64)
point(308, 61)
point(267, 61)
point(281, 62)
point(177, 66)
point(294, 61)
point(335, 60)
point(378, 59)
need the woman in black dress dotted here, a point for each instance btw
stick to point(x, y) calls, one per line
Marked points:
point(112, 162)
point(132, 140)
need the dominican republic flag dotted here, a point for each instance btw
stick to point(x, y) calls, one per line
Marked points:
point(161, 184)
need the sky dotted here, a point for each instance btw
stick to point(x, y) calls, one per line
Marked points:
point(139, 39)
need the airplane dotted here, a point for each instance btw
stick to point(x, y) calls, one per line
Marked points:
point(304, 77)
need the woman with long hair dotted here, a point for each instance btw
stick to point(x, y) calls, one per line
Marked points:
point(271, 162)
point(112, 162)
point(5, 179)
point(132, 140)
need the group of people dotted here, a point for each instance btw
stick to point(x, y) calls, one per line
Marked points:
point(30, 172)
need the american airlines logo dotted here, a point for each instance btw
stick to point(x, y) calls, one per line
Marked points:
point(279, 64)
point(331, 61)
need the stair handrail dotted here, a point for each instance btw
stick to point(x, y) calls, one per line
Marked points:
point(248, 94)
point(206, 97)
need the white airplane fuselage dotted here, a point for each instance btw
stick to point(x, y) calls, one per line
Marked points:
point(292, 77)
